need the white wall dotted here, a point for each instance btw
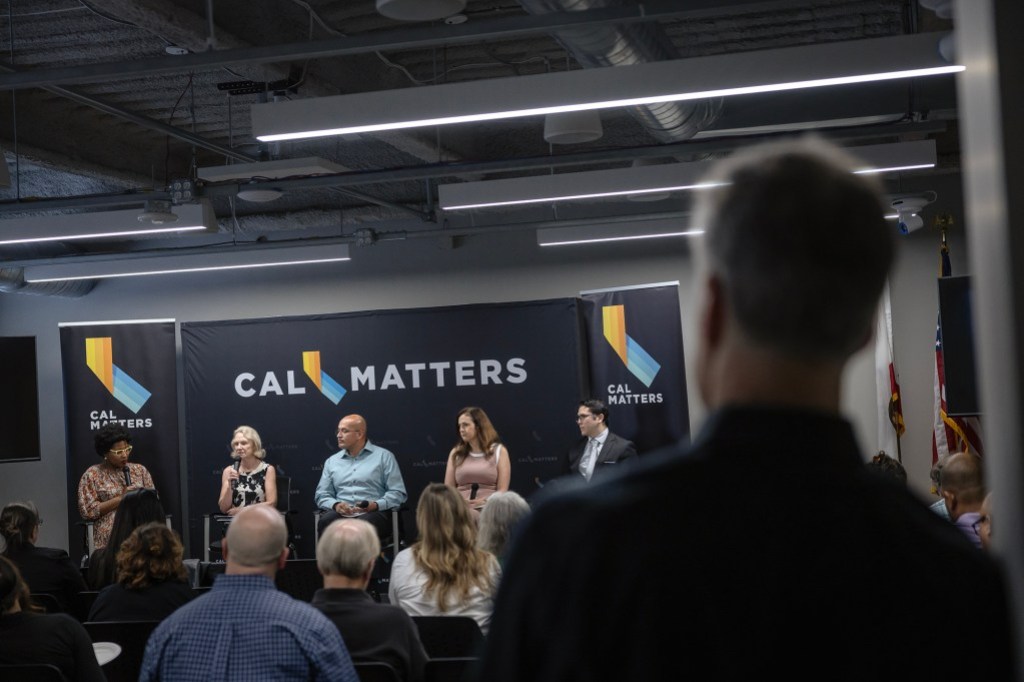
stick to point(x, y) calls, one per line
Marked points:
point(423, 273)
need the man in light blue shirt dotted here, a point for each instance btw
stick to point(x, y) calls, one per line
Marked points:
point(361, 480)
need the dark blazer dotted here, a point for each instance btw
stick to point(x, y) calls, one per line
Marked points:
point(616, 454)
point(50, 570)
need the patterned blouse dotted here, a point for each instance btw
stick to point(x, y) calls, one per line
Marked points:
point(102, 482)
point(251, 488)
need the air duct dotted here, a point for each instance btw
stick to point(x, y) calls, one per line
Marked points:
point(12, 281)
point(594, 46)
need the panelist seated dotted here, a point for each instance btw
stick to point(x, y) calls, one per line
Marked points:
point(598, 452)
point(479, 464)
point(361, 479)
point(249, 480)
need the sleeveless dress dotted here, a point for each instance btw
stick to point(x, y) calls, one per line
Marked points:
point(483, 471)
point(252, 487)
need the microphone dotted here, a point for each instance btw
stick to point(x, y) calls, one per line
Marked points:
point(472, 493)
point(364, 504)
point(127, 477)
point(234, 481)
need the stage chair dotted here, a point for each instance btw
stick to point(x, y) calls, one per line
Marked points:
point(30, 672)
point(376, 671)
point(131, 636)
point(393, 543)
point(284, 505)
point(450, 636)
point(451, 669)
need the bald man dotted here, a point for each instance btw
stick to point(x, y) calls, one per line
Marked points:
point(962, 485)
point(245, 629)
point(360, 480)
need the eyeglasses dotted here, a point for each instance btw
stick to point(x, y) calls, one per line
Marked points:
point(122, 451)
point(341, 431)
point(581, 417)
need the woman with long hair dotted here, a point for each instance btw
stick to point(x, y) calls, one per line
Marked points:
point(444, 572)
point(139, 506)
point(152, 580)
point(499, 518)
point(479, 464)
point(27, 636)
point(45, 569)
point(249, 480)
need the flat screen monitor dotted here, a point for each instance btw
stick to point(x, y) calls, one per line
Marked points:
point(19, 399)
point(958, 346)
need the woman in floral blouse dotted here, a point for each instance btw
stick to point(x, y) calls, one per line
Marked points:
point(103, 485)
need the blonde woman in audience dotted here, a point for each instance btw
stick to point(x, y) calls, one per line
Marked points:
point(499, 518)
point(444, 573)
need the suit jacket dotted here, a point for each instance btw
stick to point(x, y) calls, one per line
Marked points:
point(617, 453)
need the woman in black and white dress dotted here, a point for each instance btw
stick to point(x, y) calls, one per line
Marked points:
point(250, 480)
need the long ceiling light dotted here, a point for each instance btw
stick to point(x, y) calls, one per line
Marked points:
point(640, 180)
point(236, 258)
point(104, 225)
point(619, 232)
point(791, 68)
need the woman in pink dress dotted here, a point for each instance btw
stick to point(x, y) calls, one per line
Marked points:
point(479, 464)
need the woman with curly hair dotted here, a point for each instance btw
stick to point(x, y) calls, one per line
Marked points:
point(444, 573)
point(479, 464)
point(152, 580)
point(27, 636)
point(139, 506)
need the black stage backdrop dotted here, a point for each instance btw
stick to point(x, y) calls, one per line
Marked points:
point(127, 373)
point(408, 372)
point(636, 362)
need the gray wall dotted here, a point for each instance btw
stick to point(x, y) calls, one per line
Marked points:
point(423, 273)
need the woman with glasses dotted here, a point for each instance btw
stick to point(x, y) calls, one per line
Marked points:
point(479, 464)
point(103, 485)
point(45, 569)
point(249, 480)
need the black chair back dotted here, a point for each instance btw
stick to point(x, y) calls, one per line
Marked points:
point(453, 669)
point(47, 602)
point(376, 671)
point(131, 636)
point(30, 672)
point(83, 604)
point(450, 636)
point(299, 578)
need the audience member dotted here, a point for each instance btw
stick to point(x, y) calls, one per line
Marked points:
point(44, 569)
point(139, 507)
point(479, 464)
point(498, 519)
point(249, 480)
point(245, 628)
point(30, 637)
point(598, 452)
point(983, 526)
point(360, 472)
point(444, 573)
point(939, 505)
point(346, 555)
point(888, 467)
point(775, 528)
point(963, 489)
point(103, 486)
point(152, 580)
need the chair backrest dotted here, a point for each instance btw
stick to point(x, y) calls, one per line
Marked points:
point(47, 601)
point(83, 604)
point(376, 671)
point(284, 493)
point(450, 636)
point(30, 672)
point(299, 578)
point(131, 636)
point(451, 669)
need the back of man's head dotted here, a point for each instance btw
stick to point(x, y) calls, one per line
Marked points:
point(347, 548)
point(800, 244)
point(963, 477)
point(255, 541)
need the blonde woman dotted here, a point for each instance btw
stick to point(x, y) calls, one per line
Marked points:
point(444, 573)
point(250, 480)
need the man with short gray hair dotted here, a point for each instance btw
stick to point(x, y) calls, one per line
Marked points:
point(345, 555)
point(245, 629)
point(781, 555)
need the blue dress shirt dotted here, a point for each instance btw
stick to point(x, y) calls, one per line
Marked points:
point(245, 629)
point(373, 476)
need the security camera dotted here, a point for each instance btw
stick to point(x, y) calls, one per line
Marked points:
point(908, 213)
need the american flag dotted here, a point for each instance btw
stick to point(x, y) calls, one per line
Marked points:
point(950, 434)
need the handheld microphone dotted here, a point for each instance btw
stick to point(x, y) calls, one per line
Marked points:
point(234, 481)
point(127, 477)
point(472, 492)
point(364, 504)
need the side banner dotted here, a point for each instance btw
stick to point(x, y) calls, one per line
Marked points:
point(124, 373)
point(408, 372)
point(636, 362)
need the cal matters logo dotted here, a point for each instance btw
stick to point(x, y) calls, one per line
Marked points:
point(327, 385)
point(99, 357)
point(638, 361)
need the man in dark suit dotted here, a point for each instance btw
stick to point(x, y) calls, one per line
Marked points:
point(772, 547)
point(612, 452)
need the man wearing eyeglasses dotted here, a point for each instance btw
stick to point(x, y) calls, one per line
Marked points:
point(361, 479)
point(962, 485)
point(599, 452)
point(103, 485)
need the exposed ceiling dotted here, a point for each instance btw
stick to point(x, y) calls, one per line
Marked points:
point(96, 114)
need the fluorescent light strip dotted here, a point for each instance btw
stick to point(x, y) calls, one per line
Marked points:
point(597, 240)
point(893, 169)
point(593, 195)
point(170, 271)
point(100, 235)
point(117, 224)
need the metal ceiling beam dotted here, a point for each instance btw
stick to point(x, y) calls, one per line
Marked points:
point(382, 41)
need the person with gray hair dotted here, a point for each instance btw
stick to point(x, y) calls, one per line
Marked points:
point(345, 555)
point(775, 526)
point(498, 519)
point(245, 628)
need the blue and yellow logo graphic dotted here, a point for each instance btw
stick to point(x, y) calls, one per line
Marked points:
point(637, 360)
point(99, 356)
point(328, 386)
